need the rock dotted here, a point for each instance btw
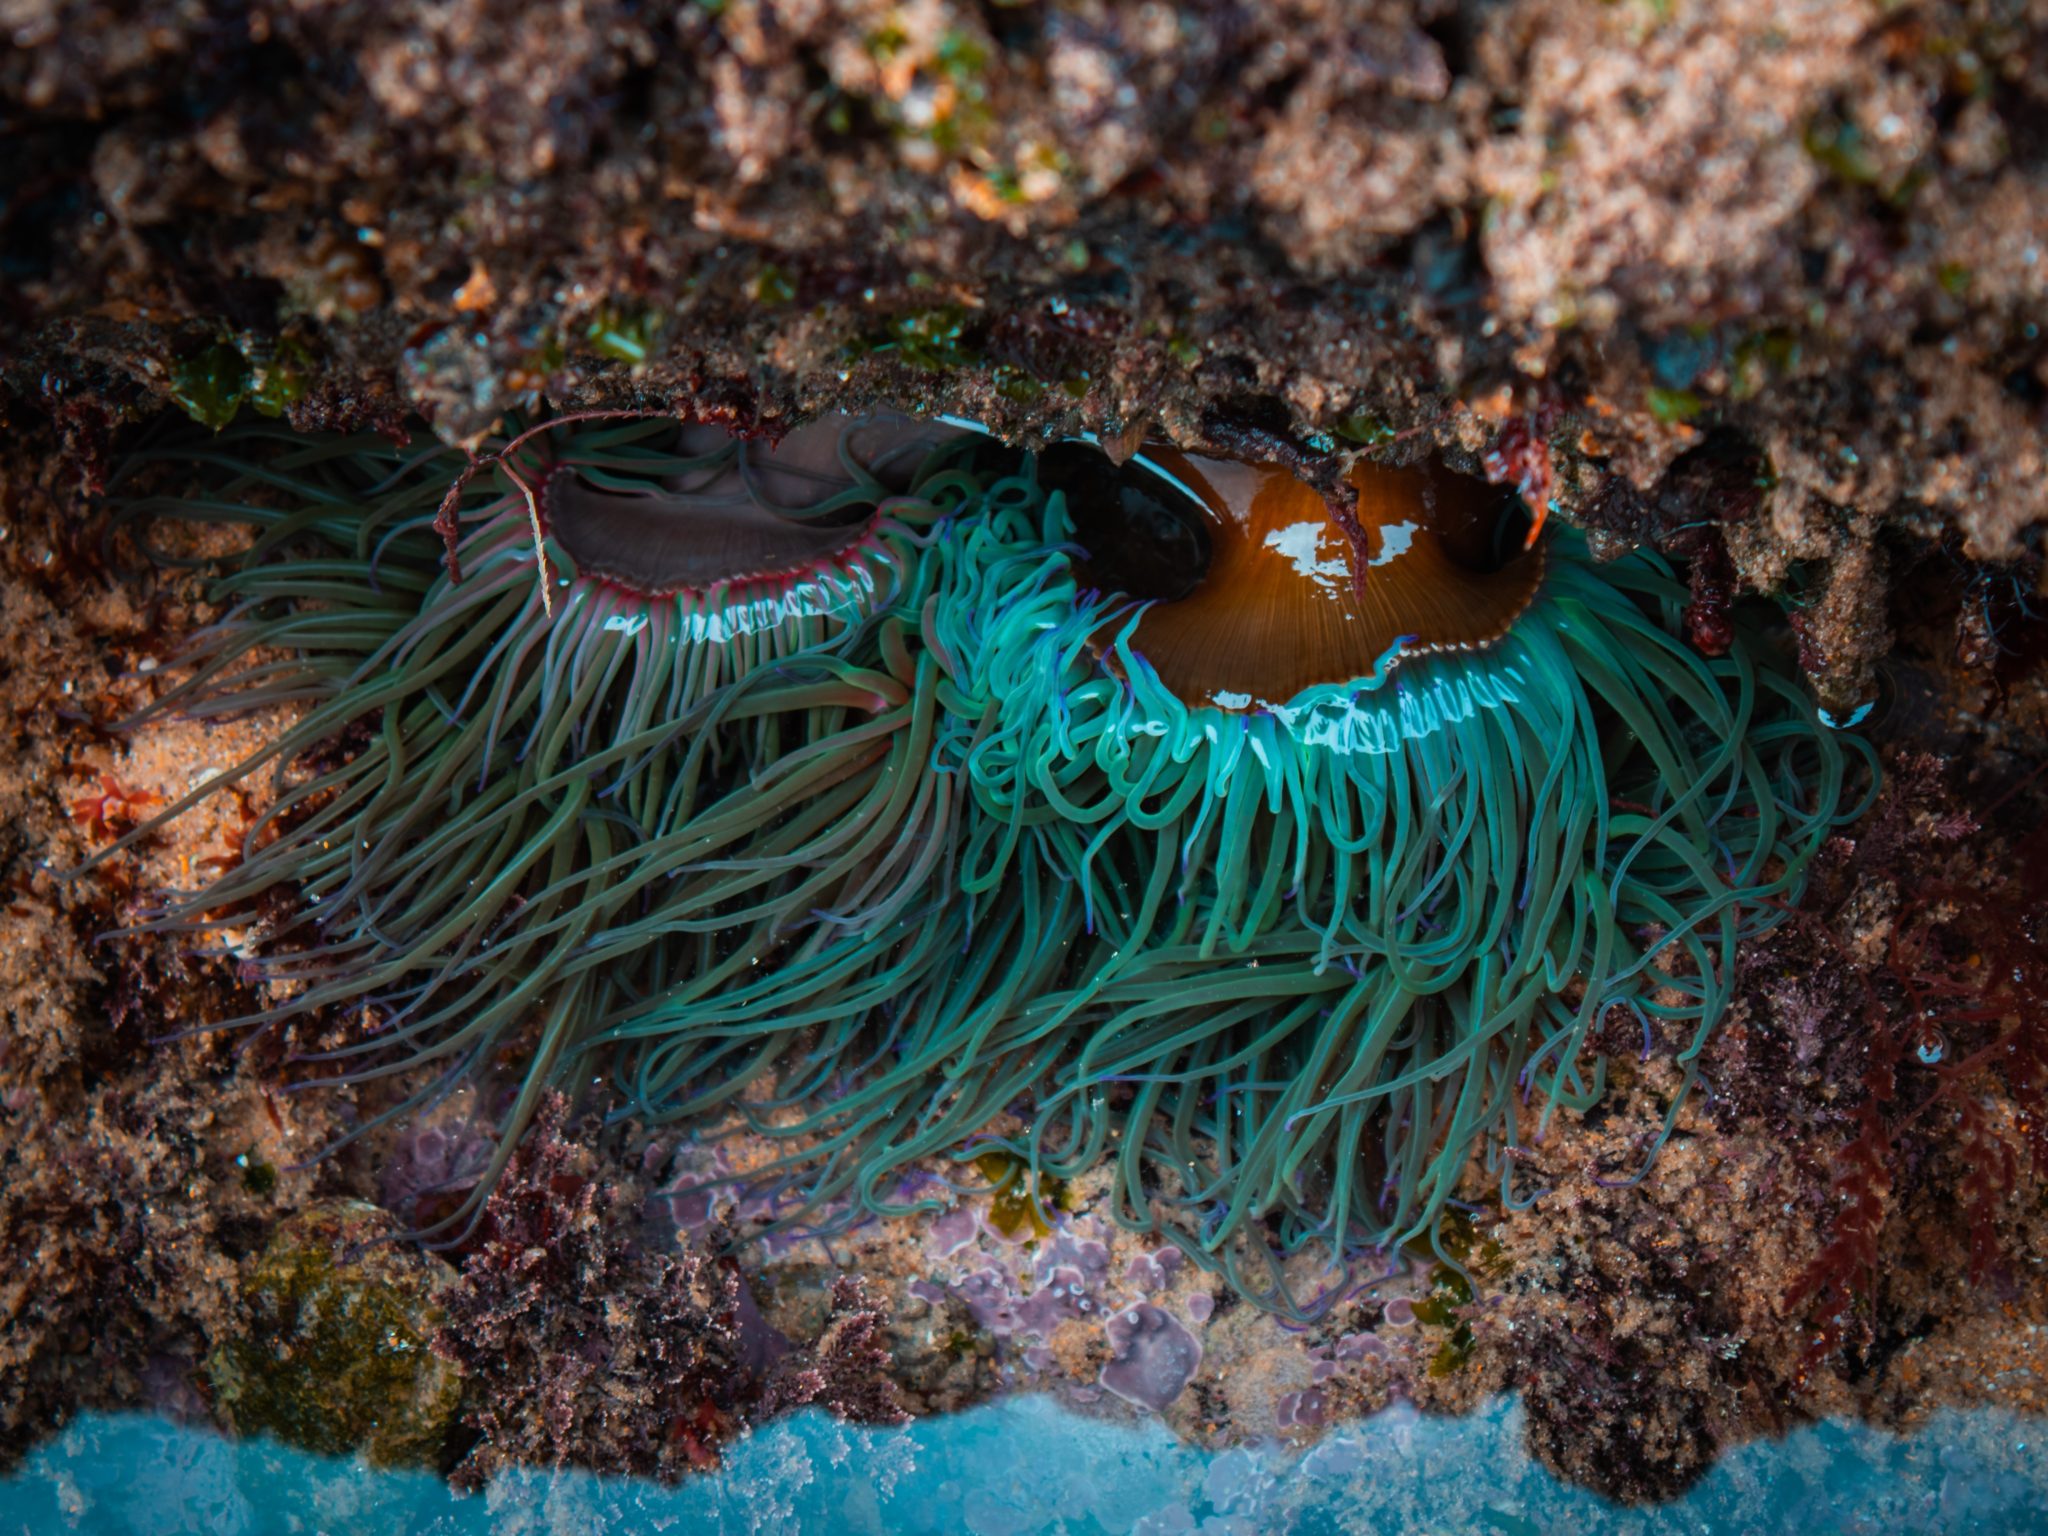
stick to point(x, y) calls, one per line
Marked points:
point(334, 1355)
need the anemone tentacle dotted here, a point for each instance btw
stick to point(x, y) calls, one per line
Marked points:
point(539, 821)
point(876, 821)
point(901, 1044)
point(1351, 932)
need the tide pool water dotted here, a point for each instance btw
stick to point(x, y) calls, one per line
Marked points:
point(1025, 1465)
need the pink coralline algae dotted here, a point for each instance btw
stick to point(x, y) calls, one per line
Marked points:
point(847, 1370)
point(1345, 1356)
point(953, 1230)
point(997, 1306)
point(582, 1344)
point(1065, 1276)
point(1153, 1357)
point(1301, 1410)
point(437, 1159)
point(1336, 1362)
point(1153, 1271)
point(703, 1188)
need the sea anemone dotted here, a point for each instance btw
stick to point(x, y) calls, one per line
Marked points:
point(1378, 810)
point(666, 727)
point(901, 799)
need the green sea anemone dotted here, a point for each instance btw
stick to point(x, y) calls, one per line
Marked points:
point(900, 800)
point(1379, 812)
point(667, 729)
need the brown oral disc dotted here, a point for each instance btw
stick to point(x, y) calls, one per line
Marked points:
point(1292, 599)
point(742, 517)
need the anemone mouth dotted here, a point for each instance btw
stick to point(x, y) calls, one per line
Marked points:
point(714, 510)
point(1264, 590)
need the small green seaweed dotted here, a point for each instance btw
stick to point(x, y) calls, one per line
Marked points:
point(626, 333)
point(211, 384)
point(278, 374)
point(1449, 1293)
point(258, 1176)
point(1014, 383)
point(772, 287)
point(1759, 358)
point(1451, 1288)
point(1673, 405)
point(885, 42)
point(1365, 429)
point(964, 61)
point(1018, 1205)
point(935, 340)
point(1837, 147)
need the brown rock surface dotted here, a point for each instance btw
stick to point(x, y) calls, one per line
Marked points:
point(1744, 277)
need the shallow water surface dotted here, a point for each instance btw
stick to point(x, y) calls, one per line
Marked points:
point(1025, 1465)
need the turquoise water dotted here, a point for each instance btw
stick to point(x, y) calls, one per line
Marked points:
point(1026, 1465)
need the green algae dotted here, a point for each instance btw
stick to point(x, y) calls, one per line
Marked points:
point(772, 287)
point(210, 385)
point(1014, 383)
point(258, 1177)
point(1365, 429)
point(625, 333)
point(1674, 405)
point(934, 340)
point(279, 374)
point(964, 62)
point(1761, 358)
point(1466, 1258)
point(1017, 1205)
point(333, 1353)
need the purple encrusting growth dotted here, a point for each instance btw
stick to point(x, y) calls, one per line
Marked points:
point(1345, 1356)
point(1153, 1357)
point(953, 1230)
point(1154, 1271)
point(441, 1153)
point(1301, 1410)
point(1022, 1293)
point(703, 1187)
point(1005, 1314)
point(1309, 1408)
point(1067, 1274)
point(1066, 1250)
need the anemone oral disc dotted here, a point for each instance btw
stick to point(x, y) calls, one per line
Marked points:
point(756, 509)
point(1293, 599)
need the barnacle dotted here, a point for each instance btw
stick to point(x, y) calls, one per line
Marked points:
point(872, 787)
